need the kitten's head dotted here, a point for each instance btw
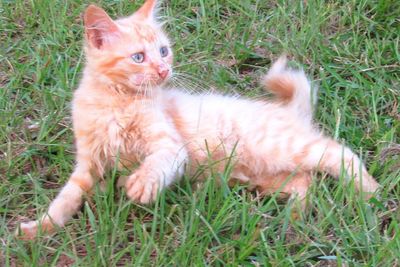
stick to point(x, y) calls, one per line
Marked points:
point(133, 51)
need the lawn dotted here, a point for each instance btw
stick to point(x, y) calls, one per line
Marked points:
point(350, 49)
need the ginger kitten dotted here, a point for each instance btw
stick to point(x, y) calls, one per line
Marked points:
point(121, 110)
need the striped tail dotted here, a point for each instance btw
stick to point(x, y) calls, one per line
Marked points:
point(291, 86)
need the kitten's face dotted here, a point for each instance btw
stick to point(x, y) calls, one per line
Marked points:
point(132, 51)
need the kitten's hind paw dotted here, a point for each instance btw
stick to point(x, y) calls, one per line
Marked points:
point(142, 189)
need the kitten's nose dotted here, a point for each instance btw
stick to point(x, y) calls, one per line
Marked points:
point(163, 73)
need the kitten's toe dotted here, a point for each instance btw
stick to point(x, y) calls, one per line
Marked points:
point(27, 231)
point(369, 186)
point(141, 190)
point(149, 193)
point(134, 188)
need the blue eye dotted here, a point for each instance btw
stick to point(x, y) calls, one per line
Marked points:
point(164, 51)
point(138, 57)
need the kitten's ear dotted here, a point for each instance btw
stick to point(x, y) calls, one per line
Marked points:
point(100, 29)
point(147, 10)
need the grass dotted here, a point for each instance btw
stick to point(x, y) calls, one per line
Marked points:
point(350, 48)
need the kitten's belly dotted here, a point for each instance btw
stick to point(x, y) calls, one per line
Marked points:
point(224, 130)
point(260, 136)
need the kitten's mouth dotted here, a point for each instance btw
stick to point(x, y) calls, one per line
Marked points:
point(146, 81)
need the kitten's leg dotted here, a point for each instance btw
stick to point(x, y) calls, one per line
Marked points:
point(64, 206)
point(158, 170)
point(328, 155)
point(298, 188)
point(292, 185)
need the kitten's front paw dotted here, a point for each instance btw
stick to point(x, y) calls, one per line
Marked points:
point(29, 230)
point(142, 189)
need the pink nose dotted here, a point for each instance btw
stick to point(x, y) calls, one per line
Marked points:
point(163, 73)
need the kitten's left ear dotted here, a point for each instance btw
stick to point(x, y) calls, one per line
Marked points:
point(147, 10)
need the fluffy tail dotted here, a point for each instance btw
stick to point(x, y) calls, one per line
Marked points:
point(291, 86)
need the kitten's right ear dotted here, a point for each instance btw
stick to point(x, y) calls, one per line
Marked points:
point(100, 29)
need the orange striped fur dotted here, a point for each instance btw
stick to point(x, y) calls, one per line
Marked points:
point(120, 110)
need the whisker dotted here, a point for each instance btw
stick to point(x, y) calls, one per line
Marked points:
point(192, 78)
point(188, 88)
point(188, 84)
